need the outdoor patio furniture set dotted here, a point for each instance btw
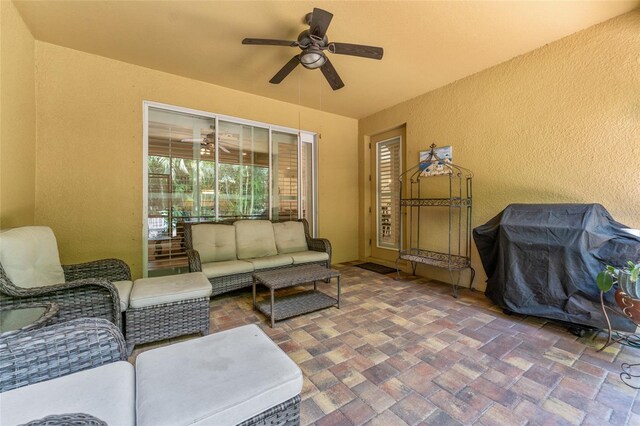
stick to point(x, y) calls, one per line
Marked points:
point(68, 309)
point(76, 372)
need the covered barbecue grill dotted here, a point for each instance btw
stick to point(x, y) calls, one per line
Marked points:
point(542, 260)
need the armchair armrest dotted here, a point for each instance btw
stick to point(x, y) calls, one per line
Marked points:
point(194, 260)
point(111, 269)
point(57, 350)
point(320, 244)
point(95, 298)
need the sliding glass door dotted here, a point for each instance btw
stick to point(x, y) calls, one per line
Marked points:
point(200, 167)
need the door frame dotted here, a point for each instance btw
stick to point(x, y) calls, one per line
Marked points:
point(372, 251)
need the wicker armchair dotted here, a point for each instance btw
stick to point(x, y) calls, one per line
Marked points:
point(237, 281)
point(87, 291)
point(58, 350)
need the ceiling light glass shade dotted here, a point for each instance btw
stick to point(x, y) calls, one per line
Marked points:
point(312, 58)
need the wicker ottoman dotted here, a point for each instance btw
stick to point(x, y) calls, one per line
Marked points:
point(238, 376)
point(165, 307)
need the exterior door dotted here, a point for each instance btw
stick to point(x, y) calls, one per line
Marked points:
point(386, 166)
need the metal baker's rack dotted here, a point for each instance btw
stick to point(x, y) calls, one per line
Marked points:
point(417, 195)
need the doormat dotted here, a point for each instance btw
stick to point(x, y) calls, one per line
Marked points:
point(381, 269)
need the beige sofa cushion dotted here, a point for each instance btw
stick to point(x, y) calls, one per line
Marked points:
point(107, 392)
point(29, 256)
point(271, 261)
point(214, 243)
point(169, 289)
point(254, 238)
point(309, 256)
point(290, 237)
point(229, 267)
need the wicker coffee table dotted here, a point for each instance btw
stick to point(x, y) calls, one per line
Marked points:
point(297, 303)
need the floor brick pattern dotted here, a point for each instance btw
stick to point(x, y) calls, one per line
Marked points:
point(407, 353)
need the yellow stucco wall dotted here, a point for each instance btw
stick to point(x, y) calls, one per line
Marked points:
point(560, 124)
point(89, 171)
point(17, 120)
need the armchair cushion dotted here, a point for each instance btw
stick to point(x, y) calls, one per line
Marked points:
point(29, 256)
point(124, 291)
point(254, 238)
point(107, 392)
point(290, 237)
point(214, 243)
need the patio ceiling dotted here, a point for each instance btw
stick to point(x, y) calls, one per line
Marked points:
point(426, 44)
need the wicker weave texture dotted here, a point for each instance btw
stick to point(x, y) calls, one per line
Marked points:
point(72, 419)
point(284, 414)
point(47, 353)
point(93, 297)
point(296, 304)
point(159, 322)
point(294, 275)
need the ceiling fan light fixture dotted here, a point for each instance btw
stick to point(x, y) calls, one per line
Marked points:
point(312, 58)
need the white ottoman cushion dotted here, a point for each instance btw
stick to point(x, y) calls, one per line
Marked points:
point(221, 379)
point(106, 392)
point(169, 289)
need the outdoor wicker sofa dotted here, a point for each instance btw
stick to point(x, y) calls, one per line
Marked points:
point(30, 271)
point(229, 252)
point(77, 371)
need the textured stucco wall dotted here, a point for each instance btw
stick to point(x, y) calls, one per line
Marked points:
point(89, 180)
point(560, 124)
point(17, 120)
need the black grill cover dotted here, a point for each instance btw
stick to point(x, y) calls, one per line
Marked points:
point(542, 260)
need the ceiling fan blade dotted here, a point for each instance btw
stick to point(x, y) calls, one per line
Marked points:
point(269, 42)
point(371, 52)
point(284, 71)
point(331, 75)
point(320, 20)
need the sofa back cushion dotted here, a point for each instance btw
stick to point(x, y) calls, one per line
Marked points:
point(254, 238)
point(290, 237)
point(29, 256)
point(214, 243)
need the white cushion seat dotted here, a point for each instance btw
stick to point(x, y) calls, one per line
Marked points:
point(309, 256)
point(107, 392)
point(169, 289)
point(124, 291)
point(29, 256)
point(229, 267)
point(222, 379)
point(271, 261)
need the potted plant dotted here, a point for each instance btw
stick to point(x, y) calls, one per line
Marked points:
point(627, 278)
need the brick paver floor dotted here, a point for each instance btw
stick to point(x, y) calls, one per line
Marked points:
point(406, 352)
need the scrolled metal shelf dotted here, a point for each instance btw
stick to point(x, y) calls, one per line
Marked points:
point(444, 202)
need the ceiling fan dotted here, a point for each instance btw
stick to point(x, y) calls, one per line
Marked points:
point(313, 42)
point(207, 144)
